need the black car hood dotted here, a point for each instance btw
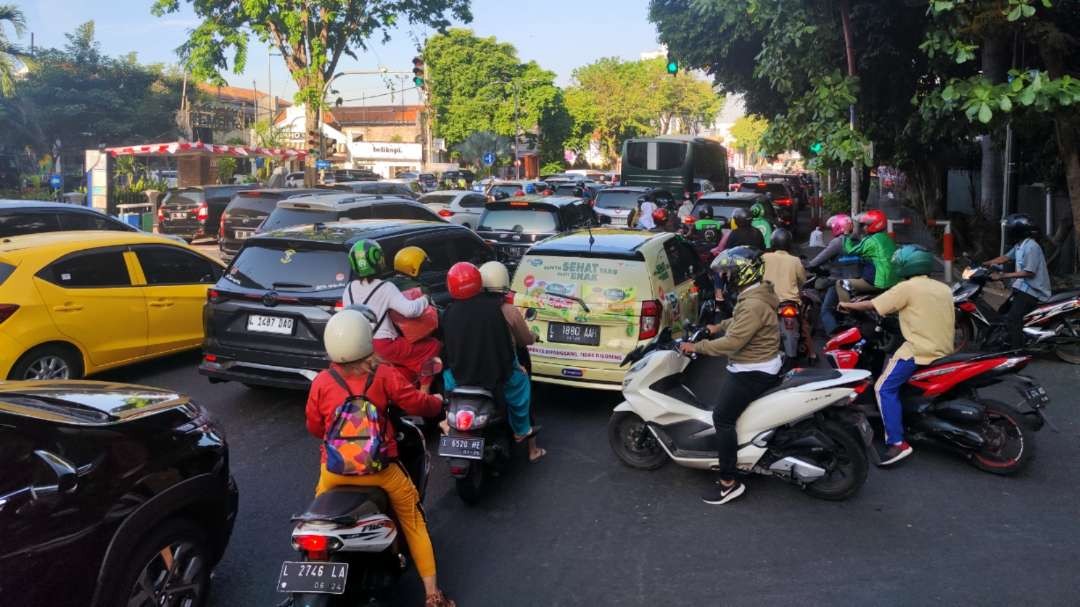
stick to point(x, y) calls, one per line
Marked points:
point(87, 401)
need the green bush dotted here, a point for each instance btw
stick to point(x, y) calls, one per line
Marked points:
point(30, 194)
point(551, 168)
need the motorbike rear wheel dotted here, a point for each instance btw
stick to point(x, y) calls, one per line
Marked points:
point(848, 469)
point(1070, 353)
point(632, 442)
point(1008, 450)
point(471, 488)
point(966, 335)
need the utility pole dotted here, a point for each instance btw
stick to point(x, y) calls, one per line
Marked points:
point(517, 131)
point(849, 48)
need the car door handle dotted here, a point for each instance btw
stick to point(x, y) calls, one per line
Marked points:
point(67, 307)
point(161, 303)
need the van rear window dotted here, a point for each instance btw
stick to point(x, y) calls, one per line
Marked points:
point(597, 280)
point(283, 268)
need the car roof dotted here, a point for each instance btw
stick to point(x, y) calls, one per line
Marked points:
point(64, 242)
point(732, 197)
point(535, 200)
point(335, 201)
point(629, 188)
point(349, 231)
point(85, 402)
point(603, 242)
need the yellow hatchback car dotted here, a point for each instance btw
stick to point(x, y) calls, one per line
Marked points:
point(596, 296)
point(75, 303)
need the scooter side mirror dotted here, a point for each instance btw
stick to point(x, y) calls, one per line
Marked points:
point(530, 314)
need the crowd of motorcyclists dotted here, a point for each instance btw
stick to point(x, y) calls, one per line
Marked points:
point(384, 352)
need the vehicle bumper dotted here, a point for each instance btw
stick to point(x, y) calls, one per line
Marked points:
point(189, 230)
point(565, 373)
point(273, 369)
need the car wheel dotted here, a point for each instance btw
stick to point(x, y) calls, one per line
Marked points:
point(171, 566)
point(48, 362)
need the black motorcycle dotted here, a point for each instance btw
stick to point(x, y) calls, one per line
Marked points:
point(350, 549)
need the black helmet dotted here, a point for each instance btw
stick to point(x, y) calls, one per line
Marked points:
point(743, 265)
point(1019, 226)
point(705, 212)
point(781, 240)
point(740, 218)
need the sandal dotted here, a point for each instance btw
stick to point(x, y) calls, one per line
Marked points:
point(532, 433)
point(439, 600)
point(542, 452)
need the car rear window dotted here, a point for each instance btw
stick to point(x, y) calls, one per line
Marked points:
point(597, 280)
point(519, 220)
point(437, 199)
point(5, 270)
point(289, 268)
point(283, 218)
point(722, 210)
point(184, 197)
point(617, 200)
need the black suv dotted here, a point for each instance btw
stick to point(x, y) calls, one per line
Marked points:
point(196, 212)
point(245, 214)
point(264, 319)
point(515, 224)
point(778, 191)
point(328, 207)
point(110, 494)
point(19, 217)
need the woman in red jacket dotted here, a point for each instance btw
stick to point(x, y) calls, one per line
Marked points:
point(348, 341)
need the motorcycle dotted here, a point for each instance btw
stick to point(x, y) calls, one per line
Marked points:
point(804, 431)
point(350, 550)
point(1053, 325)
point(941, 402)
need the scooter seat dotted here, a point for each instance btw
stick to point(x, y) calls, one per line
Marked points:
point(346, 504)
point(1063, 296)
point(956, 357)
point(801, 377)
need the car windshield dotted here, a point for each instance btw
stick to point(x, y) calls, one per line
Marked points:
point(279, 267)
point(617, 200)
point(184, 197)
point(283, 218)
point(519, 220)
point(437, 199)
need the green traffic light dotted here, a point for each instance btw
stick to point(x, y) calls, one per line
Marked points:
point(672, 66)
point(816, 147)
point(418, 81)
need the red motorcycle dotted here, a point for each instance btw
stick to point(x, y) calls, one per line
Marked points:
point(941, 402)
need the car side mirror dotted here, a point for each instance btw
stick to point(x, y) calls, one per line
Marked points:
point(64, 477)
point(530, 314)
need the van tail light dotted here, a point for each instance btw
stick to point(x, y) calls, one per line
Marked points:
point(212, 295)
point(789, 311)
point(784, 202)
point(203, 212)
point(650, 319)
point(6, 310)
point(446, 213)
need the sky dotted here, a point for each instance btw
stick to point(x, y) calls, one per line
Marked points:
point(560, 35)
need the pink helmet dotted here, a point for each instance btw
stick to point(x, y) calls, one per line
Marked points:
point(839, 224)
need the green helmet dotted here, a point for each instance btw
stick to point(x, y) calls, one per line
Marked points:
point(757, 210)
point(366, 259)
point(742, 264)
point(912, 260)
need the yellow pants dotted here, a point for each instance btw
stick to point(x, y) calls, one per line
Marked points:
point(405, 500)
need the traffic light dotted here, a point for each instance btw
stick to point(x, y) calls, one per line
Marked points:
point(816, 147)
point(672, 65)
point(418, 71)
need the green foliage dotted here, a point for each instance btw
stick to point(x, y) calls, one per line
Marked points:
point(472, 149)
point(472, 83)
point(837, 201)
point(747, 132)
point(226, 168)
point(552, 167)
point(9, 53)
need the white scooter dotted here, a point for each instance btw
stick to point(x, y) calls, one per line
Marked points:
point(806, 431)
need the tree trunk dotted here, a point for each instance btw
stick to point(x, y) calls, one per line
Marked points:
point(313, 131)
point(994, 69)
point(1067, 129)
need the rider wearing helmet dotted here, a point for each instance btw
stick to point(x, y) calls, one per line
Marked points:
point(742, 233)
point(758, 220)
point(927, 321)
point(750, 339)
point(841, 227)
point(1032, 280)
point(408, 262)
point(876, 251)
point(355, 370)
point(371, 289)
point(784, 270)
point(480, 348)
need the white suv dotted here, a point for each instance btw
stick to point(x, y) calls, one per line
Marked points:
point(456, 206)
point(617, 207)
point(325, 208)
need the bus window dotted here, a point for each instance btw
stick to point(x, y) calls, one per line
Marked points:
point(637, 154)
point(670, 155)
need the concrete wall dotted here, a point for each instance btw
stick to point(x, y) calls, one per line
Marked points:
point(407, 133)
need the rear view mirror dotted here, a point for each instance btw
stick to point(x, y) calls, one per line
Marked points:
point(530, 314)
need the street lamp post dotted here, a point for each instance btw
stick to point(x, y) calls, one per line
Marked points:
point(516, 84)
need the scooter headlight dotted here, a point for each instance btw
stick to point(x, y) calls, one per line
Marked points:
point(639, 365)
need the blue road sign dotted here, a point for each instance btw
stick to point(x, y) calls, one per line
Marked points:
point(489, 159)
point(322, 165)
point(56, 182)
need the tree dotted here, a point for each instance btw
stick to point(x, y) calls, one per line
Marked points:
point(479, 84)
point(472, 149)
point(747, 132)
point(684, 104)
point(9, 53)
point(311, 36)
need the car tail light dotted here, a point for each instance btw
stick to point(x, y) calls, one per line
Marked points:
point(203, 211)
point(446, 213)
point(789, 311)
point(967, 306)
point(212, 295)
point(6, 310)
point(221, 226)
point(688, 220)
point(464, 419)
point(339, 305)
point(160, 214)
point(650, 319)
point(784, 202)
point(509, 297)
point(210, 358)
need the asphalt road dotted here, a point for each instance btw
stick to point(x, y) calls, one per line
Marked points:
point(581, 529)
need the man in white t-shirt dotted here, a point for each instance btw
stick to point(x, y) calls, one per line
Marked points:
point(645, 219)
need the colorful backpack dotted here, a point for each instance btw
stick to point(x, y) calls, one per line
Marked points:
point(355, 443)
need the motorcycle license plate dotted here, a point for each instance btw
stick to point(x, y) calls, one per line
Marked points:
point(312, 576)
point(462, 447)
point(1037, 395)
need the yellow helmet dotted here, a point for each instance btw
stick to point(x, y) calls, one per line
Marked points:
point(408, 261)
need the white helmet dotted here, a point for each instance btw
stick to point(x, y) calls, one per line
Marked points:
point(348, 336)
point(495, 277)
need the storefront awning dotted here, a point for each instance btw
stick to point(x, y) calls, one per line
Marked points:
point(189, 148)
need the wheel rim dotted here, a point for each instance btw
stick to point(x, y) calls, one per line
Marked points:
point(638, 442)
point(1005, 442)
point(48, 367)
point(174, 577)
point(839, 469)
point(963, 335)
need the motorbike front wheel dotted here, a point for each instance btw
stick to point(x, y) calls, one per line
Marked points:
point(847, 470)
point(632, 442)
point(1007, 448)
point(1069, 352)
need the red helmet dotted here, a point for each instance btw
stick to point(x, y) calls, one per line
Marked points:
point(874, 220)
point(464, 281)
point(660, 215)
